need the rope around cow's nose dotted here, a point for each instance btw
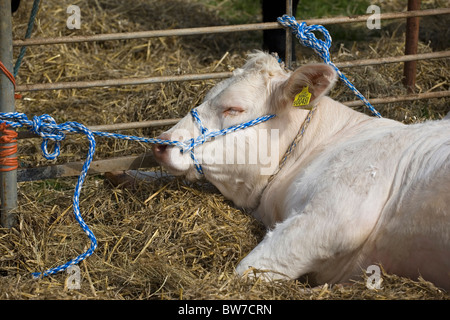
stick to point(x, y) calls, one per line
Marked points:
point(47, 128)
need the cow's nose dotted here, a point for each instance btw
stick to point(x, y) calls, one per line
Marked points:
point(160, 150)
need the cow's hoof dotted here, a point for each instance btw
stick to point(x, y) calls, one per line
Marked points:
point(264, 274)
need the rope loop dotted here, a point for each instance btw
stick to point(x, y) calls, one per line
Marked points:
point(307, 38)
point(50, 155)
point(45, 126)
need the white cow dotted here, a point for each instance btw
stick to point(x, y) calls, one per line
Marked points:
point(355, 191)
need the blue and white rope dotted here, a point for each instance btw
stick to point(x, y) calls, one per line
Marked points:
point(45, 126)
point(305, 35)
point(34, 11)
point(207, 135)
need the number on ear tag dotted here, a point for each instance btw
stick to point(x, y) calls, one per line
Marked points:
point(303, 98)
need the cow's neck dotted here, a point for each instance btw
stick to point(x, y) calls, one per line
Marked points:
point(330, 120)
point(291, 148)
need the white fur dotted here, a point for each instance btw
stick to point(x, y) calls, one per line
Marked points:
point(356, 191)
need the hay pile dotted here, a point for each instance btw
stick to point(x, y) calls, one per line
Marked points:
point(168, 239)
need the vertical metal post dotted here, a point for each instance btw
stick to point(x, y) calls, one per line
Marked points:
point(288, 60)
point(8, 180)
point(411, 41)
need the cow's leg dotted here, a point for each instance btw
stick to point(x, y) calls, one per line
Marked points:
point(304, 244)
point(281, 254)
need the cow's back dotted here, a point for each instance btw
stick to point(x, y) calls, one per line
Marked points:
point(412, 235)
point(384, 191)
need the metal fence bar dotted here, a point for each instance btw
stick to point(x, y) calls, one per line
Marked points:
point(116, 126)
point(221, 29)
point(288, 58)
point(73, 169)
point(208, 76)
point(379, 61)
point(411, 42)
point(120, 82)
point(8, 179)
point(410, 97)
point(158, 123)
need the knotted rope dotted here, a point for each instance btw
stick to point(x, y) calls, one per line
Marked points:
point(46, 127)
point(305, 35)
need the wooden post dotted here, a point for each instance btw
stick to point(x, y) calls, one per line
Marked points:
point(288, 58)
point(8, 179)
point(411, 41)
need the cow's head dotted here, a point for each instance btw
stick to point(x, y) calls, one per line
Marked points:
point(240, 163)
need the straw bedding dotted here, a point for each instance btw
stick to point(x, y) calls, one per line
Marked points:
point(165, 239)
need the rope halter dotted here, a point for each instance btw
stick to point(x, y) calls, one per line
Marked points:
point(206, 135)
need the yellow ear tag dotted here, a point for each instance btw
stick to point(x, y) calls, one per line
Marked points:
point(302, 99)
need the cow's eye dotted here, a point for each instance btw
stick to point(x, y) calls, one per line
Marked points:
point(233, 111)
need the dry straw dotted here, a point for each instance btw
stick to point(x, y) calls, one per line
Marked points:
point(166, 239)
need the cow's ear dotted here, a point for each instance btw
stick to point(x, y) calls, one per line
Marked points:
point(306, 85)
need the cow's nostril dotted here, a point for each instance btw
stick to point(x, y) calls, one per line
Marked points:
point(160, 148)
